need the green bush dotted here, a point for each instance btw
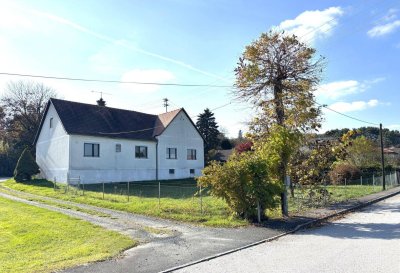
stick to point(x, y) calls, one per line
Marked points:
point(243, 182)
point(26, 167)
point(342, 171)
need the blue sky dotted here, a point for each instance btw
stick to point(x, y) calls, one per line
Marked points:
point(199, 42)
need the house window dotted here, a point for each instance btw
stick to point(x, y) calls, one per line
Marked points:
point(51, 123)
point(191, 154)
point(118, 148)
point(171, 153)
point(140, 151)
point(191, 171)
point(171, 171)
point(91, 150)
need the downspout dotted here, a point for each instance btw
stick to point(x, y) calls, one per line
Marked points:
point(156, 159)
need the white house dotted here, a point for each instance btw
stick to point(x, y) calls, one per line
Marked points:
point(102, 144)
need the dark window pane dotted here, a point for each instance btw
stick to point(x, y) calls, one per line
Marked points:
point(96, 150)
point(191, 154)
point(140, 151)
point(88, 149)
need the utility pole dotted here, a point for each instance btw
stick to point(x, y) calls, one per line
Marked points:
point(382, 159)
point(166, 104)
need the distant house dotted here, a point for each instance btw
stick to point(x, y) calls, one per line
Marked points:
point(102, 144)
point(223, 155)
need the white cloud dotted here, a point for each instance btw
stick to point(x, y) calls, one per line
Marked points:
point(390, 15)
point(313, 24)
point(338, 89)
point(386, 25)
point(149, 76)
point(383, 29)
point(345, 107)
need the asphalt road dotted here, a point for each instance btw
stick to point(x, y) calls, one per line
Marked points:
point(365, 241)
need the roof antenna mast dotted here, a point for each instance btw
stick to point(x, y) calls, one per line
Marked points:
point(101, 102)
point(166, 104)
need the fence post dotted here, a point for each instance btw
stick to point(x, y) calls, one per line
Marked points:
point(103, 190)
point(258, 212)
point(361, 180)
point(373, 179)
point(83, 186)
point(128, 191)
point(201, 201)
point(55, 183)
point(159, 195)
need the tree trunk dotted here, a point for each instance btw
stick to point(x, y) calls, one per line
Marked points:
point(280, 118)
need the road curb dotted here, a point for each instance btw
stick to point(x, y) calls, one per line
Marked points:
point(297, 228)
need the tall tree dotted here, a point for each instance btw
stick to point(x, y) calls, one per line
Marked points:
point(278, 74)
point(21, 109)
point(209, 129)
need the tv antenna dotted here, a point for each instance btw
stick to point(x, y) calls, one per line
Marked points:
point(101, 93)
point(166, 104)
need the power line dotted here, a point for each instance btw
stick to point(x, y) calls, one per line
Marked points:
point(112, 81)
point(152, 128)
point(348, 116)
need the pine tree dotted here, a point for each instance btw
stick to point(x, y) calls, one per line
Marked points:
point(209, 130)
point(26, 167)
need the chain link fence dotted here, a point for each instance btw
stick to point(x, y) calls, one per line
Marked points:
point(303, 197)
point(166, 196)
point(176, 197)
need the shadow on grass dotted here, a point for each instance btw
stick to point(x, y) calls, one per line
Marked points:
point(38, 183)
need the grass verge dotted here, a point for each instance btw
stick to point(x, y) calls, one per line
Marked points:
point(215, 211)
point(38, 240)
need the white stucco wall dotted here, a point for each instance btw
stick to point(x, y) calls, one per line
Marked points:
point(182, 135)
point(52, 148)
point(111, 166)
point(61, 156)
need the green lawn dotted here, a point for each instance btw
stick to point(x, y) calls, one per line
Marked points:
point(33, 239)
point(179, 200)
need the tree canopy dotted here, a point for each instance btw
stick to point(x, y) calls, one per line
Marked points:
point(208, 128)
point(21, 110)
point(278, 74)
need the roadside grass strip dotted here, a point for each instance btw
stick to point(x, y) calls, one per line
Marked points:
point(34, 239)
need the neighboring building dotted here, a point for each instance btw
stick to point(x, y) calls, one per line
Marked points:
point(102, 144)
point(223, 155)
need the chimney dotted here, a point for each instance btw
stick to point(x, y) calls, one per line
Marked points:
point(101, 102)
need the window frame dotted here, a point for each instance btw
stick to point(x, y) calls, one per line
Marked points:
point(118, 147)
point(192, 155)
point(169, 153)
point(171, 171)
point(92, 154)
point(192, 171)
point(138, 152)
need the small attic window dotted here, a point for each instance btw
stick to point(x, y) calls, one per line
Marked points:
point(51, 123)
point(118, 148)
